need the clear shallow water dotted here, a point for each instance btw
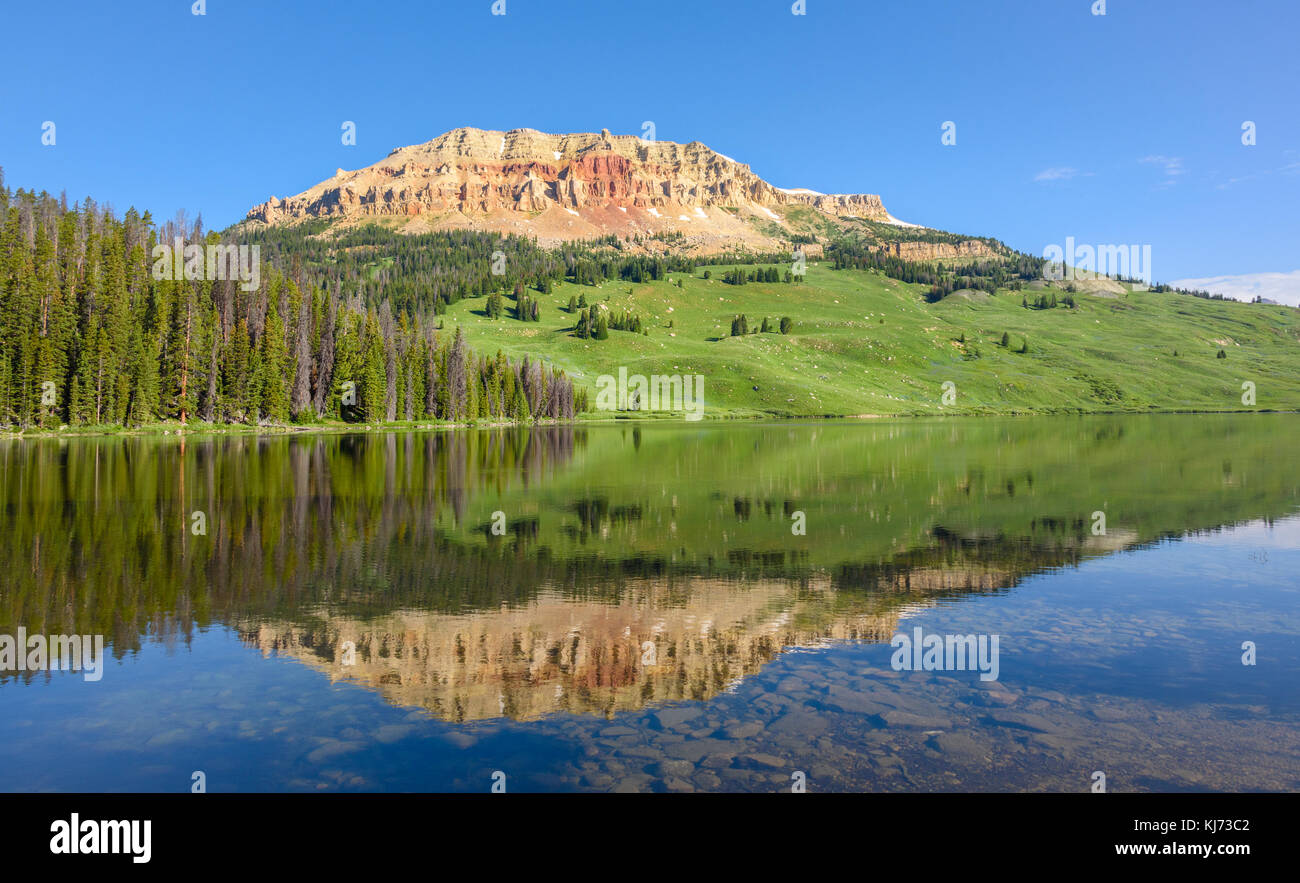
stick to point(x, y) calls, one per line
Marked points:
point(525, 653)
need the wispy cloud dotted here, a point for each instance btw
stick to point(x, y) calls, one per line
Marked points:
point(1252, 176)
point(1059, 173)
point(1291, 168)
point(1173, 164)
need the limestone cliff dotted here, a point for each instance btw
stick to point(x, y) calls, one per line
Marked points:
point(917, 250)
point(564, 187)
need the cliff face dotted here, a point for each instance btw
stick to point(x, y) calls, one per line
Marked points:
point(560, 187)
point(929, 251)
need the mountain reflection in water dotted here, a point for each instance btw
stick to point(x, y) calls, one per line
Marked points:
point(639, 565)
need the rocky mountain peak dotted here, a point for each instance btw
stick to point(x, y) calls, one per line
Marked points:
point(560, 187)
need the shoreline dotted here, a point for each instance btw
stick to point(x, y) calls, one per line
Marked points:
point(205, 429)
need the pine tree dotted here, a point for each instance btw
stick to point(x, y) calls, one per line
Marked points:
point(374, 377)
point(300, 400)
point(457, 383)
point(324, 373)
point(273, 404)
point(95, 330)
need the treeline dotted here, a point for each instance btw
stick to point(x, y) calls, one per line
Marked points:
point(741, 276)
point(417, 274)
point(746, 257)
point(89, 336)
point(428, 272)
point(425, 273)
point(980, 275)
point(1009, 273)
point(592, 324)
point(1192, 292)
point(1047, 301)
point(589, 267)
point(881, 231)
point(740, 325)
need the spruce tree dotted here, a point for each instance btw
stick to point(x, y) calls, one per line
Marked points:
point(274, 364)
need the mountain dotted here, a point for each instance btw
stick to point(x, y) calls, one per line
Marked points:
point(560, 188)
point(879, 320)
point(353, 319)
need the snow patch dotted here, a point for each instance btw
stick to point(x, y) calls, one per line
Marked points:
point(771, 214)
point(890, 219)
point(653, 211)
point(683, 217)
point(800, 190)
point(699, 213)
point(622, 209)
point(557, 153)
point(570, 211)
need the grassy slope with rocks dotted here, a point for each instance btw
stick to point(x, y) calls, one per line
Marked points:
point(865, 344)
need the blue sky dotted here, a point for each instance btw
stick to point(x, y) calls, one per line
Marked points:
point(1124, 128)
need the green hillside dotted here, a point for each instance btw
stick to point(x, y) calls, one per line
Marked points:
point(865, 344)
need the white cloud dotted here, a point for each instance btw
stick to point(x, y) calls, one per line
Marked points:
point(1281, 287)
point(1173, 166)
point(1291, 168)
point(1057, 173)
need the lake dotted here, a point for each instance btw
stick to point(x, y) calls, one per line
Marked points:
point(663, 606)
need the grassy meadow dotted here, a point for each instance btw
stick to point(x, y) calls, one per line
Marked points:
point(864, 344)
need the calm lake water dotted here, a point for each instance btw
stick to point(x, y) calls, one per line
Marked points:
point(661, 607)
